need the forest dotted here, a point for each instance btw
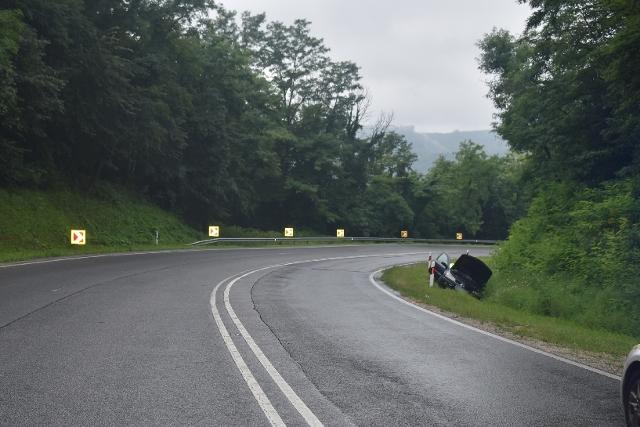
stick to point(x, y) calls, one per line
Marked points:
point(224, 118)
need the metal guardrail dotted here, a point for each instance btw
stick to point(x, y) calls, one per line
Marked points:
point(338, 239)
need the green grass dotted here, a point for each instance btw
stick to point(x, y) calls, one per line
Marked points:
point(37, 223)
point(412, 282)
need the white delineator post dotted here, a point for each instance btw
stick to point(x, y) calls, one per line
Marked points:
point(430, 265)
point(432, 275)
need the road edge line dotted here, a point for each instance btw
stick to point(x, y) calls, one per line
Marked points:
point(374, 282)
point(36, 261)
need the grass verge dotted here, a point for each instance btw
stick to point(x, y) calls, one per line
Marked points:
point(36, 224)
point(412, 282)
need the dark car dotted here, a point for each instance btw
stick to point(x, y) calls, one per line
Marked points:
point(468, 273)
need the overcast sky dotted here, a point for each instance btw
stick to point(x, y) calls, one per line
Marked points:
point(417, 57)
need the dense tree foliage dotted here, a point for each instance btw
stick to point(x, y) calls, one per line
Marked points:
point(474, 194)
point(218, 117)
point(568, 89)
point(568, 92)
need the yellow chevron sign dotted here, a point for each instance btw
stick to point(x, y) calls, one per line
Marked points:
point(78, 237)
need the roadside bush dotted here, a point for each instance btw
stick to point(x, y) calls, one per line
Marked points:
point(575, 255)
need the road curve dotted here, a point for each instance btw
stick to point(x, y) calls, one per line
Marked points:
point(264, 337)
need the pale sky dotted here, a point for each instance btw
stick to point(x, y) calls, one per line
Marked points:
point(417, 57)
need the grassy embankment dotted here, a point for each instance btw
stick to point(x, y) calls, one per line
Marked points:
point(37, 224)
point(412, 282)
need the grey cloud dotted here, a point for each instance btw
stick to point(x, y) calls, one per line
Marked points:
point(418, 58)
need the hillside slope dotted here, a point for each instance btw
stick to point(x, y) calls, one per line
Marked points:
point(37, 223)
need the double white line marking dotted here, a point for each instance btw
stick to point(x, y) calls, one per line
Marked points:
point(268, 409)
point(257, 391)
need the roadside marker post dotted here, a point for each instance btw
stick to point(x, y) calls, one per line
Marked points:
point(78, 237)
point(432, 269)
point(429, 267)
point(288, 232)
point(340, 233)
point(214, 231)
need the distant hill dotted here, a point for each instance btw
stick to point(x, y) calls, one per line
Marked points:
point(428, 146)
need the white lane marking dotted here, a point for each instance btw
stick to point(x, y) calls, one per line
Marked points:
point(168, 251)
point(290, 394)
point(47, 261)
point(295, 400)
point(498, 337)
point(262, 399)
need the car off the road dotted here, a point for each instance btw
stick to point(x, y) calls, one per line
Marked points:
point(630, 387)
point(468, 273)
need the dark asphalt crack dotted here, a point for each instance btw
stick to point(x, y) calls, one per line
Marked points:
point(79, 291)
point(284, 347)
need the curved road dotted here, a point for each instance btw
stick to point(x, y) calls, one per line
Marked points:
point(264, 337)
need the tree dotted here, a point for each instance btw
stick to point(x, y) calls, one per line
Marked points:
point(475, 194)
point(568, 95)
point(567, 89)
point(30, 97)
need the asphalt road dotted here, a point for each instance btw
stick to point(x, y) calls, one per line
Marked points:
point(306, 339)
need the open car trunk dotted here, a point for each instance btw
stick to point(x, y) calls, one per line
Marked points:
point(472, 268)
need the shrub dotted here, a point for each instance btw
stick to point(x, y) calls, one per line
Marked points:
point(575, 255)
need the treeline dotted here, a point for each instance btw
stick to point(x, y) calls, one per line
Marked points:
point(223, 118)
point(568, 91)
